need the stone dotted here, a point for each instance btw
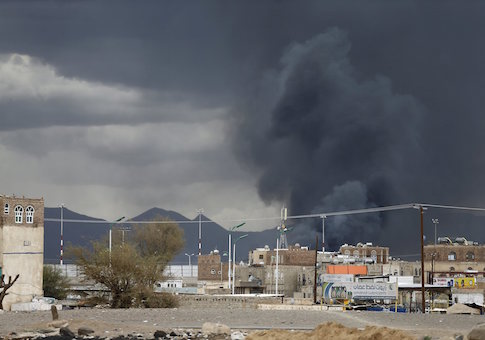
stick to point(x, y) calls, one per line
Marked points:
point(159, 334)
point(215, 328)
point(237, 336)
point(85, 331)
point(20, 336)
point(477, 333)
point(46, 330)
point(65, 331)
point(58, 323)
point(55, 314)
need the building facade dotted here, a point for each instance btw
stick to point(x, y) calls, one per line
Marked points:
point(22, 246)
point(210, 268)
point(454, 258)
point(366, 251)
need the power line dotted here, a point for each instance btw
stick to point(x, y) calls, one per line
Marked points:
point(277, 218)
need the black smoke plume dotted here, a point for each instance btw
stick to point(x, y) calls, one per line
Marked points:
point(323, 139)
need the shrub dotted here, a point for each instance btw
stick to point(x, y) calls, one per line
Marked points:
point(55, 284)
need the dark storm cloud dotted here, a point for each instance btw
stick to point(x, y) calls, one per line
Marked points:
point(386, 107)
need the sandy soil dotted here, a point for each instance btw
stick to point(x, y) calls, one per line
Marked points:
point(332, 330)
point(109, 322)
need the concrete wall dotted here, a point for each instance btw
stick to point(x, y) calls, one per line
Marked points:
point(22, 249)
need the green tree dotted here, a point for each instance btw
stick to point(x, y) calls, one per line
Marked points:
point(54, 284)
point(133, 266)
point(162, 240)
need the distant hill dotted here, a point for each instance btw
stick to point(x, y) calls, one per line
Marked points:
point(213, 235)
point(76, 233)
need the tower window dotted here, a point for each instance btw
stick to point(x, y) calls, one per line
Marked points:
point(6, 209)
point(29, 214)
point(19, 212)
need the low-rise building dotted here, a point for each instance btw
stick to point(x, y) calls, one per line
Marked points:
point(454, 258)
point(366, 251)
point(22, 247)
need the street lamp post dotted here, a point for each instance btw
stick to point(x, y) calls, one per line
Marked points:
point(200, 211)
point(234, 262)
point(190, 263)
point(223, 254)
point(110, 236)
point(435, 222)
point(230, 247)
point(62, 232)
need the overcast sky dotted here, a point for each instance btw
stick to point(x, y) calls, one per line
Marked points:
point(239, 107)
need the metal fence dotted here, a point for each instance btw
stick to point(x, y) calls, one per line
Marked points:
point(172, 270)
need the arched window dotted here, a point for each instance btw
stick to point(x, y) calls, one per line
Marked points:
point(356, 253)
point(470, 268)
point(29, 214)
point(452, 269)
point(6, 209)
point(452, 256)
point(19, 212)
point(470, 256)
point(347, 252)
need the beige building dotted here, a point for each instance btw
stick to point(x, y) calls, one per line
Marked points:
point(293, 256)
point(22, 246)
point(454, 258)
point(366, 251)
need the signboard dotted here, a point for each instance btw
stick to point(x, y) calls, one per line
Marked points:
point(337, 278)
point(465, 282)
point(456, 282)
point(443, 281)
point(359, 290)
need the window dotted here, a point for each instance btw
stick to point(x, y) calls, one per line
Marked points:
point(452, 256)
point(470, 256)
point(261, 256)
point(29, 214)
point(19, 212)
point(6, 209)
point(213, 271)
point(452, 269)
point(470, 268)
point(356, 253)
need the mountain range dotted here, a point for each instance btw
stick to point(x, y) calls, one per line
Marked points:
point(83, 231)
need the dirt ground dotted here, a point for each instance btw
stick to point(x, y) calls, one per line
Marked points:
point(332, 330)
point(113, 322)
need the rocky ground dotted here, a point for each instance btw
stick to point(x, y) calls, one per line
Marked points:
point(187, 322)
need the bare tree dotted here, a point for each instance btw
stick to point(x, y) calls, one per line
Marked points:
point(5, 286)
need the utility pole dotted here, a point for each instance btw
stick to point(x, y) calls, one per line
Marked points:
point(315, 278)
point(423, 300)
point(323, 217)
point(435, 222)
point(62, 231)
point(276, 270)
point(200, 211)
